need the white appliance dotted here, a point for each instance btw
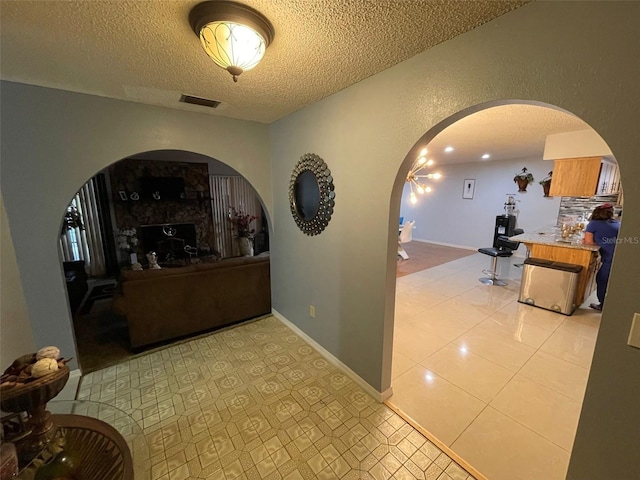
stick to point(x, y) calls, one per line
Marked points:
point(549, 285)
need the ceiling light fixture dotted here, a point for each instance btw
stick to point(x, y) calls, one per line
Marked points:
point(486, 156)
point(449, 149)
point(233, 35)
point(414, 179)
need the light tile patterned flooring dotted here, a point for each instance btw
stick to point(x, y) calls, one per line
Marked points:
point(499, 382)
point(256, 402)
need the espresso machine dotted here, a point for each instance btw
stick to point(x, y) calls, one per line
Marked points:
point(505, 225)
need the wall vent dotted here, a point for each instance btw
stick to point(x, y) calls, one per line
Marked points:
point(205, 102)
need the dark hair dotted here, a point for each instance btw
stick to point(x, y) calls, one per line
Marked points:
point(602, 213)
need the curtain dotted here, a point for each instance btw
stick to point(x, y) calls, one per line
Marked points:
point(229, 192)
point(84, 242)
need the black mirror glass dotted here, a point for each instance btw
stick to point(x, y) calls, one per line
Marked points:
point(307, 195)
point(311, 194)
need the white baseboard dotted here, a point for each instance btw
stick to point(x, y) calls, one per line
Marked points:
point(378, 396)
point(464, 247)
point(444, 244)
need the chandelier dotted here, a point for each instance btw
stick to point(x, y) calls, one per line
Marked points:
point(417, 176)
point(235, 36)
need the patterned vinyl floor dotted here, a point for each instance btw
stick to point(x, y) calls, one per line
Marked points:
point(257, 402)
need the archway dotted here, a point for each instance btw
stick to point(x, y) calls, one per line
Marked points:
point(465, 326)
point(175, 203)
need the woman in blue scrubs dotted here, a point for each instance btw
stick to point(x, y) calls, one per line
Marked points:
point(602, 230)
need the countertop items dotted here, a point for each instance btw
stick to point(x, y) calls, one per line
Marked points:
point(553, 237)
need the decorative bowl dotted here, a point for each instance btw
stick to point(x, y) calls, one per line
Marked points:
point(25, 397)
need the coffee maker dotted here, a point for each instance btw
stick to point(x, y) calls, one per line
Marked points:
point(510, 205)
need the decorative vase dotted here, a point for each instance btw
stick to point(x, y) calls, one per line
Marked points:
point(32, 398)
point(522, 184)
point(546, 186)
point(246, 246)
point(133, 258)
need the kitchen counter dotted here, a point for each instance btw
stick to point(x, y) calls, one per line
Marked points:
point(552, 237)
point(549, 245)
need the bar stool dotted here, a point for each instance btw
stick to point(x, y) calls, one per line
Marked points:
point(503, 247)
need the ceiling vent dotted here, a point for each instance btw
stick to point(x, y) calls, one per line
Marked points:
point(204, 102)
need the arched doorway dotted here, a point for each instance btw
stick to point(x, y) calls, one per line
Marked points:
point(174, 203)
point(490, 379)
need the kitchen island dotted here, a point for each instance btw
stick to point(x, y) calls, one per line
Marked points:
point(548, 244)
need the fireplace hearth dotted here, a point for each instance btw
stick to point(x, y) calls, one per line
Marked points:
point(170, 241)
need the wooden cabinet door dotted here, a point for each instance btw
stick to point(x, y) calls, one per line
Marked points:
point(575, 177)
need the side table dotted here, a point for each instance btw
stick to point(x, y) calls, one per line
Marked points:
point(106, 441)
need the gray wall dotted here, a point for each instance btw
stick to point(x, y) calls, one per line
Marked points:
point(16, 337)
point(53, 141)
point(443, 216)
point(579, 56)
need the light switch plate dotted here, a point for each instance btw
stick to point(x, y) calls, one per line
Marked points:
point(634, 333)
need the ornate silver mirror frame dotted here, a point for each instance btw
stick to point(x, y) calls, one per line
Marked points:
point(311, 206)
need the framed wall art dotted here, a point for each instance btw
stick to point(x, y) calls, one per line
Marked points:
point(468, 188)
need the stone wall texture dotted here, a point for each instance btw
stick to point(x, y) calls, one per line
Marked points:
point(138, 209)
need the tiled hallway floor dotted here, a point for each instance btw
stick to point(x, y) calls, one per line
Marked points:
point(499, 382)
point(256, 402)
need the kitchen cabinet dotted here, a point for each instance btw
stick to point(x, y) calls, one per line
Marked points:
point(584, 177)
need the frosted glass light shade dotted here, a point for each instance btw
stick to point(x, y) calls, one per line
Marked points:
point(232, 46)
point(234, 36)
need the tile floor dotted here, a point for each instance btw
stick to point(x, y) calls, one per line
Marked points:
point(255, 401)
point(499, 382)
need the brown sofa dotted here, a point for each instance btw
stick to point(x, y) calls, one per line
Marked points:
point(164, 304)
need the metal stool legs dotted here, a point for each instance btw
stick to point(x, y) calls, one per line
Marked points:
point(492, 278)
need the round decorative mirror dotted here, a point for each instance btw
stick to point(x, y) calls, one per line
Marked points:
point(311, 194)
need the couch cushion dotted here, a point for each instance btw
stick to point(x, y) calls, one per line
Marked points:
point(170, 303)
point(154, 273)
point(197, 267)
point(230, 262)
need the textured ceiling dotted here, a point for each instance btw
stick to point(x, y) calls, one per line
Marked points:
point(145, 50)
point(504, 132)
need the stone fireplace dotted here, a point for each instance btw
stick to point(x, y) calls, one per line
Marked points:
point(157, 194)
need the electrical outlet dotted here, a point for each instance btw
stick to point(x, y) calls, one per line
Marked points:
point(312, 311)
point(634, 334)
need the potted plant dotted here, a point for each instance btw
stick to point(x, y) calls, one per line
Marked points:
point(241, 225)
point(523, 179)
point(127, 240)
point(72, 219)
point(546, 183)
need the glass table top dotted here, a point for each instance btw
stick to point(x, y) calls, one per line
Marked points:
point(101, 432)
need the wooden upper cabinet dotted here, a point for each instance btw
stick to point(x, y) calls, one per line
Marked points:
point(584, 177)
